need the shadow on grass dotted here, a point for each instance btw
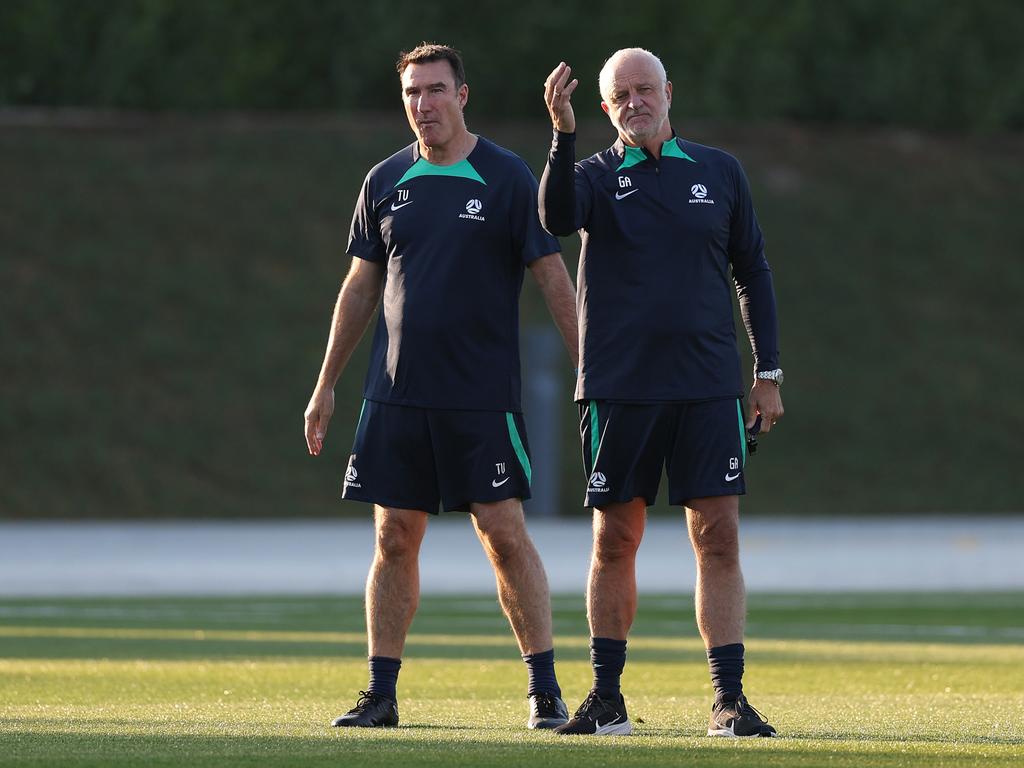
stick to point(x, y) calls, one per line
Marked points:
point(32, 647)
point(944, 617)
point(413, 746)
point(70, 648)
point(955, 620)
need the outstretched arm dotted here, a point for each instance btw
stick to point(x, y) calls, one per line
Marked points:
point(554, 283)
point(561, 205)
point(356, 303)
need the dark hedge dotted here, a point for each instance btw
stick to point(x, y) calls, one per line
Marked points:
point(929, 63)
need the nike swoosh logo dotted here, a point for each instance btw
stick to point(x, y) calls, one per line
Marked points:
point(396, 207)
point(616, 726)
point(620, 196)
point(495, 483)
point(729, 478)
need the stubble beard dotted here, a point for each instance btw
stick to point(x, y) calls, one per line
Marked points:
point(442, 132)
point(649, 131)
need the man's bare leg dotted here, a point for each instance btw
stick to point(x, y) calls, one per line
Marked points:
point(393, 584)
point(523, 594)
point(720, 596)
point(392, 595)
point(611, 607)
point(611, 587)
point(721, 605)
point(522, 582)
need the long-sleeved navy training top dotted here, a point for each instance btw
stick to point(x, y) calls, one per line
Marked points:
point(660, 238)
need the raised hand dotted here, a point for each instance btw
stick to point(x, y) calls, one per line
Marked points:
point(558, 90)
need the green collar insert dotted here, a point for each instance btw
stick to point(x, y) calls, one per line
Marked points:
point(462, 169)
point(635, 155)
point(671, 148)
point(631, 156)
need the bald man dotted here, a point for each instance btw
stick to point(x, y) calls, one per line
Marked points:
point(664, 222)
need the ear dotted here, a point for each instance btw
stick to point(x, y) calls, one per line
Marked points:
point(605, 107)
point(668, 91)
point(463, 95)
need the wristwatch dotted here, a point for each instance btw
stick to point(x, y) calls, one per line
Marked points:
point(775, 376)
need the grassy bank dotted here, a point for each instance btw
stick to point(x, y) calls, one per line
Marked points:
point(168, 285)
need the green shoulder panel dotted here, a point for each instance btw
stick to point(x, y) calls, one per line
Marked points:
point(633, 156)
point(636, 155)
point(671, 148)
point(462, 169)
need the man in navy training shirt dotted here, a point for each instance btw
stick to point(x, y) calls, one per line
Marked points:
point(664, 221)
point(444, 229)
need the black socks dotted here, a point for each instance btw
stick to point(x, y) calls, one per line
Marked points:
point(726, 664)
point(384, 676)
point(608, 657)
point(541, 669)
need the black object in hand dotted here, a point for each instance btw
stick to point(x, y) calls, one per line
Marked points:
point(752, 435)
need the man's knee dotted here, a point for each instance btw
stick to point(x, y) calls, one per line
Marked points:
point(715, 532)
point(399, 536)
point(503, 533)
point(617, 535)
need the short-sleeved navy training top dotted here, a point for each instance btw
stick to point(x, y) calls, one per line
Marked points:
point(455, 240)
point(660, 239)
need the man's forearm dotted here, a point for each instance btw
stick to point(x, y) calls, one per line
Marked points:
point(352, 313)
point(756, 295)
point(560, 296)
point(557, 195)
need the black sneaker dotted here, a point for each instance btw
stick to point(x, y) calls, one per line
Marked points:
point(371, 711)
point(599, 717)
point(547, 711)
point(737, 718)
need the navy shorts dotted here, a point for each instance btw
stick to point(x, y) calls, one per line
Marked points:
point(701, 446)
point(419, 458)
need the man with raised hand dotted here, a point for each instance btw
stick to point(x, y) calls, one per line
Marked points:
point(663, 222)
point(444, 229)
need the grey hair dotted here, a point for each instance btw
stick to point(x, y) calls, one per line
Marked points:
point(604, 80)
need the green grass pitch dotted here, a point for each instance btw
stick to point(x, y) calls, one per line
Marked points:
point(849, 680)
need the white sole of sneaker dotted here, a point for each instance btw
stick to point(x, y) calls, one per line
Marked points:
point(729, 733)
point(615, 729)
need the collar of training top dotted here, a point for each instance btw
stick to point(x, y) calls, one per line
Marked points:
point(631, 156)
point(423, 167)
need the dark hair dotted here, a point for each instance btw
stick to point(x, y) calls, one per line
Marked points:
point(424, 53)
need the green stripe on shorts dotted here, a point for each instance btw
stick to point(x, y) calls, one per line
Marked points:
point(743, 432)
point(595, 442)
point(517, 443)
